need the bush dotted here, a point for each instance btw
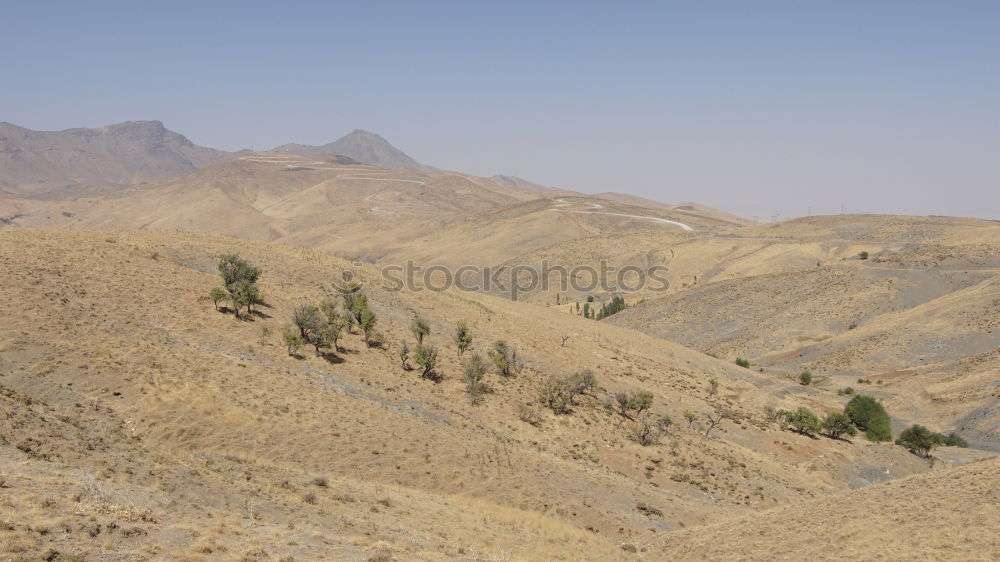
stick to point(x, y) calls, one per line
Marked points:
point(463, 339)
point(837, 423)
point(802, 420)
point(743, 362)
point(529, 414)
point(690, 417)
point(425, 356)
point(846, 391)
point(292, 342)
point(638, 401)
point(869, 416)
point(505, 360)
point(559, 393)
point(646, 431)
point(920, 440)
point(806, 378)
point(474, 371)
point(954, 440)
point(863, 255)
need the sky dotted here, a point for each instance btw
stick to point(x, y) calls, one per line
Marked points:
point(772, 109)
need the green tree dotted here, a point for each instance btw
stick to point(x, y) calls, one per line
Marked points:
point(218, 295)
point(920, 440)
point(803, 421)
point(837, 423)
point(559, 393)
point(690, 417)
point(869, 416)
point(425, 357)
point(463, 338)
point(863, 255)
point(239, 279)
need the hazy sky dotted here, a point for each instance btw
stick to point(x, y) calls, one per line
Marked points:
point(756, 107)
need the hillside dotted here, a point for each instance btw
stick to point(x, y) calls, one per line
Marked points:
point(52, 164)
point(141, 422)
point(944, 515)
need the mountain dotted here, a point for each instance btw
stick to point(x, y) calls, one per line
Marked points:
point(48, 163)
point(364, 146)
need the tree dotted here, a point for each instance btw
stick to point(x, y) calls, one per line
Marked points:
point(263, 334)
point(308, 320)
point(837, 423)
point(920, 440)
point(714, 421)
point(806, 378)
point(863, 255)
point(616, 305)
point(647, 431)
point(802, 420)
point(292, 341)
point(505, 360)
point(218, 295)
point(404, 355)
point(463, 338)
point(713, 386)
point(425, 357)
point(420, 328)
point(869, 416)
point(638, 401)
point(239, 279)
point(690, 417)
point(474, 371)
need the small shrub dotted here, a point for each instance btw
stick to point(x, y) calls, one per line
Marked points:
point(863, 255)
point(218, 295)
point(954, 440)
point(690, 417)
point(743, 362)
point(309, 498)
point(637, 401)
point(646, 431)
point(320, 481)
point(559, 393)
point(292, 342)
point(713, 386)
point(846, 391)
point(404, 355)
point(806, 378)
point(529, 414)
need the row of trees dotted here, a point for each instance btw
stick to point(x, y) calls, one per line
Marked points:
point(591, 311)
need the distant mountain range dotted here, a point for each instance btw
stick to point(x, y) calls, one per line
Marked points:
point(36, 163)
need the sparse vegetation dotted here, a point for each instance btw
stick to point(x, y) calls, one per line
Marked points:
point(806, 378)
point(647, 430)
point(636, 401)
point(559, 393)
point(292, 342)
point(529, 414)
point(743, 362)
point(404, 355)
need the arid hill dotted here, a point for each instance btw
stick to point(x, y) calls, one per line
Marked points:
point(140, 422)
